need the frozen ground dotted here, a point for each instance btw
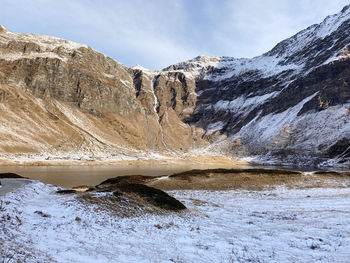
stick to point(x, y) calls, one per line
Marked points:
point(283, 225)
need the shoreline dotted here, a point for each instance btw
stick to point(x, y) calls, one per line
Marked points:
point(205, 160)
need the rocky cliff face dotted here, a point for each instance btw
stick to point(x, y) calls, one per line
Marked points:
point(64, 99)
point(292, 104)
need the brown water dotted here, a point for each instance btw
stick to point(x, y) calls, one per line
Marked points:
point(69, 176)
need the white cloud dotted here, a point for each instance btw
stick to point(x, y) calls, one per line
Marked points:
point(157, 33)
point(251, 28)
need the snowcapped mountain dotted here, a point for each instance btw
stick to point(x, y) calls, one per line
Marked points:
point(289, 105)
point(316, 45)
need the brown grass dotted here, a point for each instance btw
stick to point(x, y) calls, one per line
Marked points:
point(247, 179)
point(125, 205)
point(333, 173)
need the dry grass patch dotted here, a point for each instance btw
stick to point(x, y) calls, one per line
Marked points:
point(125, 205)
point(249, 179)
point(226, 179)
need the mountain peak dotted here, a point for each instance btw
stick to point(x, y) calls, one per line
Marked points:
point(139, 67)
point(3, 29)
point(345, 8)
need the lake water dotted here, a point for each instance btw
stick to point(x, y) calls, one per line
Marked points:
point(69, 176)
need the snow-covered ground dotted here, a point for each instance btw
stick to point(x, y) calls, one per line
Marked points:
point(282, 225)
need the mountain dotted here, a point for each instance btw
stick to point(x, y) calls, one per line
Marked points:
point(62, 99)
point(289, 105)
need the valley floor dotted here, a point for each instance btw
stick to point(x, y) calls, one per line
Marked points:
point(279, 225)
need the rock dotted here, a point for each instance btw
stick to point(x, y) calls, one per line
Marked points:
point(66, 191)
point(42, 214)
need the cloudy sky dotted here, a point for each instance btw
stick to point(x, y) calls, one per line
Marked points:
point(158, 33)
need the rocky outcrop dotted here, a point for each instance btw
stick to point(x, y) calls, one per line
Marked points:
point(290, 105)
point(65, 99)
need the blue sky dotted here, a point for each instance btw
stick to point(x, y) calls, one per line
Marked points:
point(158, 33)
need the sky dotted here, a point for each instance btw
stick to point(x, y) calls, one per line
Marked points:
point(159, 33)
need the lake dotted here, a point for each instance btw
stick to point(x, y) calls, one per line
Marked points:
point(69, 176)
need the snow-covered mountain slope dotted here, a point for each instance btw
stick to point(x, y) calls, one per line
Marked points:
point(291, 104)
point(318, 44)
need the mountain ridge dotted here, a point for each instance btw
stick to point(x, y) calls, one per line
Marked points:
point(271, 106)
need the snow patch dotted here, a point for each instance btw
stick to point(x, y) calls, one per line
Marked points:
point(242, 104)
point(33, 55)
point(267, 127)
point(213, 127)
point(109, 75)
point(332, 23)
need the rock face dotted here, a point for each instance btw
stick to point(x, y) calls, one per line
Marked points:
point(65, 99)
point(292, 104)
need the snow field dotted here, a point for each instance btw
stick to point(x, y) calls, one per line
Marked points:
point(283, 225)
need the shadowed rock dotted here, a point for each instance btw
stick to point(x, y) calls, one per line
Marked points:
point(152, 195)
point(66, 191)
point(10, 175)
point(127, 179)
point(135, 184)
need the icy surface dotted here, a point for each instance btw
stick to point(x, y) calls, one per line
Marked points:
point(281, 225)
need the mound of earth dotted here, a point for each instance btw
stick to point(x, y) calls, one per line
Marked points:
point(10, 175)
point(136, 185)
point(155, 196)
point(127, 179)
